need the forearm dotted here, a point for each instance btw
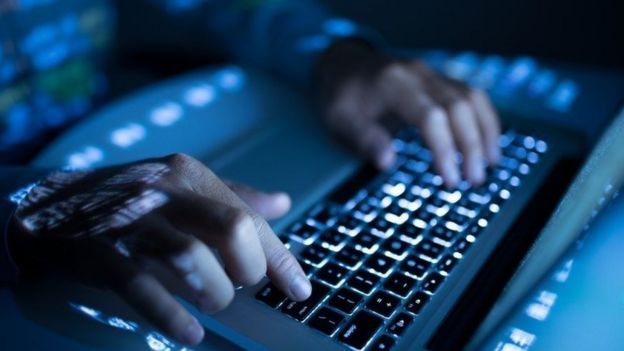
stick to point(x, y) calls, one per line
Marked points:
point(284, 36)
point(13, 179)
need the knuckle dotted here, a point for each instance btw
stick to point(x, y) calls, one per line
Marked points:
point(179, 158)
point(395, 71)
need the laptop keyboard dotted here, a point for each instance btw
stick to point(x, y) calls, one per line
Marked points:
point(377, 252)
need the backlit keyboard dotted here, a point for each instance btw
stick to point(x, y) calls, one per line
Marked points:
point(377, 252)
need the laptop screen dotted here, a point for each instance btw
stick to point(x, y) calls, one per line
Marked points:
point(598, 179)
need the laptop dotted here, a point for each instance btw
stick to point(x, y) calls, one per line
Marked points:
point(392, 256)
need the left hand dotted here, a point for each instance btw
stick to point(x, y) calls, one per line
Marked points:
point(361, 86)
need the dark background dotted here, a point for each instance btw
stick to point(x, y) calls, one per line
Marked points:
point(588, 32)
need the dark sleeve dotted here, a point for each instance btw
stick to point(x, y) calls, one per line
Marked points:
point(14, 185)
point(285, 36)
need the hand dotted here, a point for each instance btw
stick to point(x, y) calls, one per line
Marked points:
point(104, 227)
point(361, 87)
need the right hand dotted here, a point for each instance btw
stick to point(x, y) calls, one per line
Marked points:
point(101, 227)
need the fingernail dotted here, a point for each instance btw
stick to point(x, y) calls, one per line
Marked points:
point(194, 281)
point(193, 334)
point(300, 288)
point(183, 262)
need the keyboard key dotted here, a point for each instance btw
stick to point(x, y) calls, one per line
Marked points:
point(380, 263)
point(384, 343)
point(360, 330)
point(447, 263)
point(345, 300)
point(349, 256)
point(430, 249)
point(410, 231)
point(326, 320)
point(417, 302)
point(462, 246)
point(433, 282)
point(383, 303)
point(300, 310)
point(303, 231)
point(364, 281)
point(440, 231)
point(307, 268)
point(315, 254)
point(460, 219)
point(381, 227)
point(400, 323)
point(348, 224)
point(324, 214)
point(333, 238)
point(396, 247)
point(415, 266)
point(399, 284)
point(271, 295)
point(425, 216)
point(332, 273)
point(365, 241)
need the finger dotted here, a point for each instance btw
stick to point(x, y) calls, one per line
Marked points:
point(354, 118)
point(145, 294)
point(488, 122)
point(404, 93)
point(268, 205)
point(464, 125)
point(228, 229)
point(282, 267)
point(370, 139)
point(192, 262)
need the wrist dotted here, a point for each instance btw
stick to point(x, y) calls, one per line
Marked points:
point(346, 59)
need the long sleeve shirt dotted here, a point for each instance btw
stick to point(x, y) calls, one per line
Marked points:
point(52, 61)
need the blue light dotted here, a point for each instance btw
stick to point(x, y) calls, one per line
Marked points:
point(461, 66)
point(120, 323)
point(200, 95)
point(488, 73)
point(166, 114)
point(564, 96)
point(230, 79)
point(39, 37)
point(128, 135)
point(85, 158)
point(339, 27)
point(542, 83)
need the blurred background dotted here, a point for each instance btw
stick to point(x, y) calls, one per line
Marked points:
point(587, 32)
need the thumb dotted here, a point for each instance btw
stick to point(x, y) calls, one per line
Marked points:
point(268, 205)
